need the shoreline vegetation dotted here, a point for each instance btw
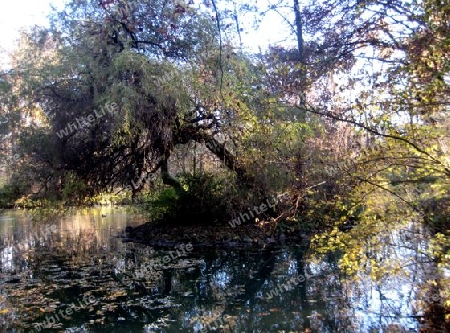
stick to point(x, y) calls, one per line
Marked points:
point(247, 235)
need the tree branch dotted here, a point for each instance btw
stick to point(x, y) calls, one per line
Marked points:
point(311, 109)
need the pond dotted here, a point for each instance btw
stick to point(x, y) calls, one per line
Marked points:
point(78, 275)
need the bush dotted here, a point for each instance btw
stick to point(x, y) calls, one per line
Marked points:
point(8, 195)
point(206, 199)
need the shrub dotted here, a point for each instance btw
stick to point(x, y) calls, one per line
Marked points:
point(206, 199)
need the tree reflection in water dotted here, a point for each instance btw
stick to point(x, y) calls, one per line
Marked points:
point(222, 289)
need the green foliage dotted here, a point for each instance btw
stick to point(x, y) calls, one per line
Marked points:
point(8, 195)
point(207, 199)
point(73, 187)
point(204, 198)
point(161, 204)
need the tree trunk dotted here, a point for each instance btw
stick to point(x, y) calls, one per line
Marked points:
point(167, 178)
point(299, 26)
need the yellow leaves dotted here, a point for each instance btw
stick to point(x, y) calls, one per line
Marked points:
point(352, 262)
point(334, 232)
point(335, 239)
point(375, 273)
point(3, 311)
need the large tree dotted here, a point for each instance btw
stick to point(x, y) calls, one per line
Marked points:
point(113, 87)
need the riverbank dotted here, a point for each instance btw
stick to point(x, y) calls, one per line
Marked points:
point(247, 235)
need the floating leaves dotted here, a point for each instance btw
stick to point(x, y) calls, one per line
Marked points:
point(68, 274)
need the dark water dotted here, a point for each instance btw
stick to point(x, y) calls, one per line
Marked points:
point(76, 275)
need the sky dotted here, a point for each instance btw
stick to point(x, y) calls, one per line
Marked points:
point(16, 14)
point(19, 13)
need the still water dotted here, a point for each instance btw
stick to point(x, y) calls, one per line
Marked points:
point(76, 274)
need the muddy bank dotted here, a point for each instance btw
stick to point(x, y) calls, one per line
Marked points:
point(165, 235)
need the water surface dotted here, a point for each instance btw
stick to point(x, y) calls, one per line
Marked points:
point(77, 275)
